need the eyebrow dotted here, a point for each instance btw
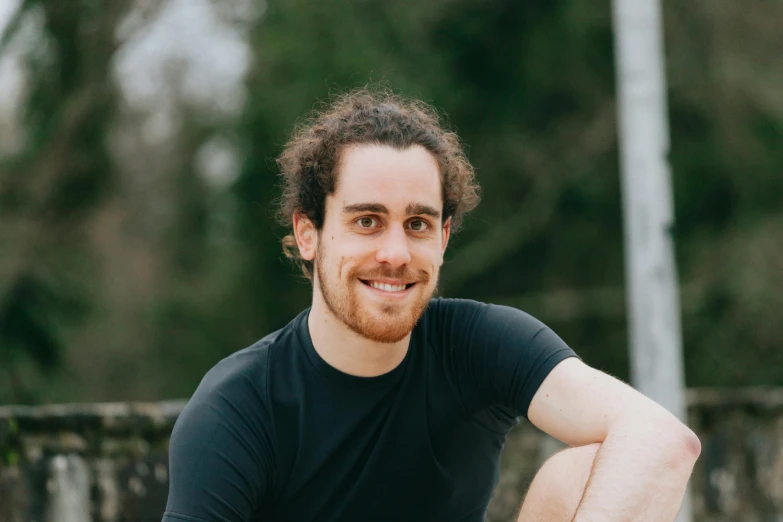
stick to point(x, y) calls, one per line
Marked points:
point(421, 209)
point(378, 208)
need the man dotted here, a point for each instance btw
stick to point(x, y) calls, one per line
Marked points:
point(382, 403)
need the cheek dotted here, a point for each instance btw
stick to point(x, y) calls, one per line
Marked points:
point(356, 253)
point(341, 268)
point(429, 254)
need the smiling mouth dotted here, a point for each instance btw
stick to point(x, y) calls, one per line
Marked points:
point(386, 287)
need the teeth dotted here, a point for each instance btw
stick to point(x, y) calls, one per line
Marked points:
point(387, 287)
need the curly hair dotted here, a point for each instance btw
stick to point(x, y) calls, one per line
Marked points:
point(309, 162)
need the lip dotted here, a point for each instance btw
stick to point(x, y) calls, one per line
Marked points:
point(389, 296)
point(390, 281)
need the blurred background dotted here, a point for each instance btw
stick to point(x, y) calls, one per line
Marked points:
point(137, 143)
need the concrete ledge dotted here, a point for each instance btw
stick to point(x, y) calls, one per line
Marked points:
point(168, 411)
point(108, 462)
point(760, 397)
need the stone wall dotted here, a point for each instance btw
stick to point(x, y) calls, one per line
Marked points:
point(108, 462)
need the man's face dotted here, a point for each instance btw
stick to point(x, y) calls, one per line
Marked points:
point(381, 246)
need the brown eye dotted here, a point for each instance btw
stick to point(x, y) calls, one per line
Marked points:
point(366, 222)
point(419, 225)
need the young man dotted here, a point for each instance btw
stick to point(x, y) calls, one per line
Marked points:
point(382, 403)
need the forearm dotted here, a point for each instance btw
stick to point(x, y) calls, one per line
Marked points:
point(640, 474)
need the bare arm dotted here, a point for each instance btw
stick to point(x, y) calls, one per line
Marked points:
point(646, 456)
point(640, 474)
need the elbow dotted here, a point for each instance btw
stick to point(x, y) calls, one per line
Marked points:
point(691, 444)
point(685, 449)
point(680, 445)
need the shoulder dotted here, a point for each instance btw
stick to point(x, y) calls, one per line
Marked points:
point(233, 391)
point(498, 355)
point(239, 372)
point(445, 312)
point(222, 448)
point(467, 317)
point(230, 407)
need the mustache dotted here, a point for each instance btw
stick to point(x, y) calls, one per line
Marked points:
point(404, 273)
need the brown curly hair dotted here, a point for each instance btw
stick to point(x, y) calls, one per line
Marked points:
point(309, 162)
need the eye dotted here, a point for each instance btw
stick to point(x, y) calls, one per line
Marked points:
point(419, 225)
point(366, 222)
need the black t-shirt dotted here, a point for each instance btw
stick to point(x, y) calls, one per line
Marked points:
point(274, 433)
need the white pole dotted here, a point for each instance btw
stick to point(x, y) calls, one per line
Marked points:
point(651, 273)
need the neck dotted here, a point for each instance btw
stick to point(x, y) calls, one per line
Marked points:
point(347, 351)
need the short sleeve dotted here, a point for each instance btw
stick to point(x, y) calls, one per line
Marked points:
point(499, 354)
point(220, 457)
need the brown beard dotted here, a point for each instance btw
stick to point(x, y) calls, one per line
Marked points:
point(394, 322)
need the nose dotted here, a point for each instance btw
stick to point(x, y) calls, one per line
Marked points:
point(394, 247)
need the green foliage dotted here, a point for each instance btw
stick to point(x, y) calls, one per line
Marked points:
point(11, 458)
point(530, 88)
point(60, 174)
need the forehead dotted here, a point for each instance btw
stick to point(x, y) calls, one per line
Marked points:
point(381, 174)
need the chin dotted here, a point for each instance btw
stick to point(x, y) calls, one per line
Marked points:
point(389, 323)
point(385, 335)
point(377, 320)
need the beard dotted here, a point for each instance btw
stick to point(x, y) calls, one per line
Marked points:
point(382, 323)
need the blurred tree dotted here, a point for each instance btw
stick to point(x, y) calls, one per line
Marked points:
point(529, 88)
point(107, 217)
point(60, 173)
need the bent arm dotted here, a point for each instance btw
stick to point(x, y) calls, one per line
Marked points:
point(640, 474)
point(646, 456)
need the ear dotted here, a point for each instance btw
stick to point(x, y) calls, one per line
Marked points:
point(446, 233)
point(306, 236)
